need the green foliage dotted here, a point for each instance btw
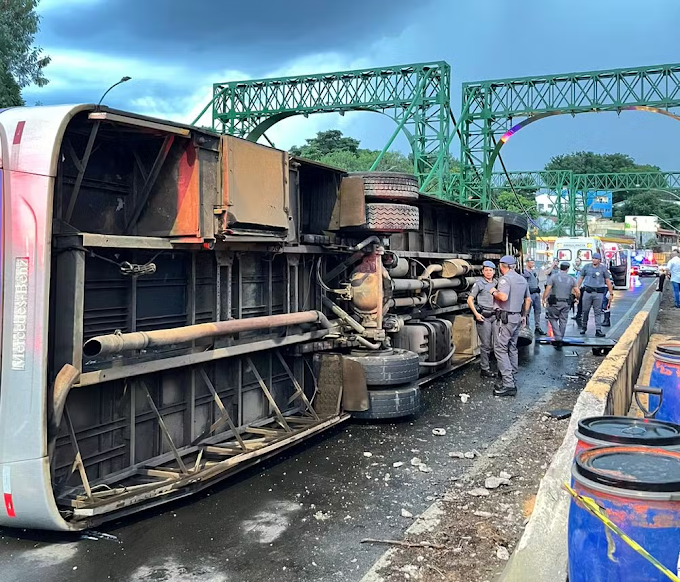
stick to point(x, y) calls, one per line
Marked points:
point(520, 204)
point(21, 64)
point(591, 163)
point(324, 143)
point(646, 204)
point(333, 148)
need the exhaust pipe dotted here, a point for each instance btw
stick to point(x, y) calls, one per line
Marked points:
point(116, 343)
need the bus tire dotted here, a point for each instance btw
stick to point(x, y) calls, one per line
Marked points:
point(381, 217)
point(391, 403)
point(387, 368)
point(395, 186)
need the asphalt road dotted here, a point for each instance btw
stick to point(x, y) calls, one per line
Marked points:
point(301, 517)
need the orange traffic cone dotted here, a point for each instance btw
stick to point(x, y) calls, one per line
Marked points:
point(550, 330)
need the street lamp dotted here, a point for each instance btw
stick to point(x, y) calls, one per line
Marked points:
point(123, 80)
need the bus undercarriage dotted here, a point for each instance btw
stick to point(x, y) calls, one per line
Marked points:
point(208, 303)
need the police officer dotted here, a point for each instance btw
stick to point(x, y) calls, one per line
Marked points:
point(531, 277)
point(481, 304)
point(511, 301)
point(578, 267)
point(558, 300)
point(595, 280)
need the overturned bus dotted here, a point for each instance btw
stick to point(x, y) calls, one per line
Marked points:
point(178, 305)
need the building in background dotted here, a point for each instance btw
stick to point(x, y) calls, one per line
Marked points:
point(599, 203)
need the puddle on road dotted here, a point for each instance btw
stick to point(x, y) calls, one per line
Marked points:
point(173, 571)
point(50, 555)
point(268, 525)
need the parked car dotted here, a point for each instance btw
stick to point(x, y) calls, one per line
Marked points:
point(649, 271)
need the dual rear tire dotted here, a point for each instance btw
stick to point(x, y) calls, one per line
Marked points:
point(391, 379)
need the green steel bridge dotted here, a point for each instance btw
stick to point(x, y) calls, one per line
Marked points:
point(417, 98)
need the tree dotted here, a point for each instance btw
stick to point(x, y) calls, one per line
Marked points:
point(21, 64)
point(520, 204)
point(592, 163)
point(333, 148)
point(325, 143)
point(647, 204)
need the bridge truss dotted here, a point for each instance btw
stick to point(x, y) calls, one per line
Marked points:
point(416, 97)
point(489, 109)
point(568, 192)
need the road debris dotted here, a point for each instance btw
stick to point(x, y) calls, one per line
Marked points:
point(464, 397)
point(424, 468)
point(367, 454)
point(457, 455)
point(439, 431)
point(479, 492)
point(322, 516)
point(495, 482)
point(404, 544)
point(502, 553)
point(397, 464)
point(406, 513)
point(505, 475)
point(482, 513)
point(469, 455)
point(416, 462)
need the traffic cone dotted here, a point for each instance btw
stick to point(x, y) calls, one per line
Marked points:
point(550, 330)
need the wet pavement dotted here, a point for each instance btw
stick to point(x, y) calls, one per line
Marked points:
point(301, 517)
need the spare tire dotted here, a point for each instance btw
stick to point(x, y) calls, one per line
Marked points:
point(391, 217)
point(393, 403)
point(387, 367)
point(389, 185)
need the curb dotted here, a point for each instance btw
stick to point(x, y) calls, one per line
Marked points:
point(541, 554)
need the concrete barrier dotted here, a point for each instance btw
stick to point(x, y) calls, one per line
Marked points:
point(541, 554)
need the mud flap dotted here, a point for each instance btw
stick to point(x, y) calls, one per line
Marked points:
point(355, 392)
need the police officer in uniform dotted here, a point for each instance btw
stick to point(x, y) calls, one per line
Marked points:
point(531, 277)
point(595, 280)
point(560, 292)
point(482, 306)
point(511, 301)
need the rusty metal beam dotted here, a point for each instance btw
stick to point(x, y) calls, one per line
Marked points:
point(164, 430)
point(225, 415)
point(150, 181)
point(298, 389)
point(81, 171)
point(270, 398)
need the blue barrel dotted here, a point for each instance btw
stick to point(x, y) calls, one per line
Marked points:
point(602, 431)
point(639, 490)
point(666, 375)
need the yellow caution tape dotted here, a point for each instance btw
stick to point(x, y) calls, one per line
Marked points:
point(589, 505)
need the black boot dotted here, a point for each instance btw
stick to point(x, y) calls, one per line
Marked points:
point(599, 333)
point(607, 319)
point(539, 331)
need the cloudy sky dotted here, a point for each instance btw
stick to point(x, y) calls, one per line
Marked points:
point(175, 49)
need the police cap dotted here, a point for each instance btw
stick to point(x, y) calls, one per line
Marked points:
point(597, 256)
point(508, 260)
point(489, 264)
point(564, 266)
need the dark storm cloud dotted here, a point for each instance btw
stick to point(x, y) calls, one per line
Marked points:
point(209, 33)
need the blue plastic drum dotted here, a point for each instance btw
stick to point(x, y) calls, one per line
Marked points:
point(639, 489)
point(666, 375)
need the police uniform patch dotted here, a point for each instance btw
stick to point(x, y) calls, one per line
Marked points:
point(502, 281)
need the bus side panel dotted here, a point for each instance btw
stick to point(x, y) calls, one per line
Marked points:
point(23, 399)
point(27, 496)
